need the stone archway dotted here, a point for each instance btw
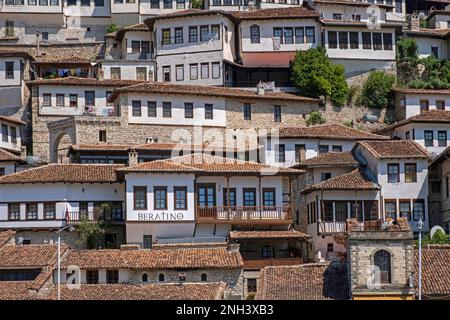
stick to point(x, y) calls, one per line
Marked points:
point(60, 147)
point(61, 135)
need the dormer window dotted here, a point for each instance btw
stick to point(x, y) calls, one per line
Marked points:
point(337, 16)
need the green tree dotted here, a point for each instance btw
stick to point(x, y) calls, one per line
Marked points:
point(197, 4)
point(91, 234)
point(112, 28)
point(375, 92)
point(315, 75)
point(315, 117)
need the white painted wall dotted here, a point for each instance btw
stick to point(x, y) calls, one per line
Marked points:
point(146, 9)
point(426, 43)
point(27, 8)
point(412, 102)
point(9, 167)
point(6, 140)
point(17, 80)
point(130, 6)
point(327, 11)
point(88, 11)
point(128, 69)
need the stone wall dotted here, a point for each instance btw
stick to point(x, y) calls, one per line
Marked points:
point(363, 245)
point(48, 237)
point(445, 201)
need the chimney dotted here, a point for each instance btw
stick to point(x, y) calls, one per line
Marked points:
point(260, 89)
point(251, 5)
point(414, 22)
point(132, 158)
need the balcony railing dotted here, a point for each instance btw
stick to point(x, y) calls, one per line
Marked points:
point(332, 227)
point(75, 217)
point(244, 214)
point(262, 263)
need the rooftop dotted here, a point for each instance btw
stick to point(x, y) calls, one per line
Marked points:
point(395, 149)
point(177, 257)
point(199, 90)
point(431, 116)
point(436, 269)
point(32, 255)
point(65, 173)
point(185, 291)
point(6, 156)
point(16, 290)
point(330, 159)
point(76, 81)
point(356, 180)
point(329, 131)
point(208, 164)
point(6, 236)
point(317, 281)
point(12, 120)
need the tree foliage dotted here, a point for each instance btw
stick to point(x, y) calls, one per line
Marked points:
point(375, 92)
point(439, 237)
point(420, 73)
point(112, 28)
point(315, 117)
point(197, 4)
point(91, 234)
point(315, 75)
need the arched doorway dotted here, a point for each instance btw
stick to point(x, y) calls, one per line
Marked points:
point(60, 147)
point(382, 259)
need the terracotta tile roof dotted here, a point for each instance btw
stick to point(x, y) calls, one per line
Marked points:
point(431, 116)
point(329, 131)
point(65, 173)
point(199, 90)
point(12, 120)
point(267, 234)
point(75, 81)
point(422, 91)
point(16, 290)
point(435, 269)
point(162, 258)
point(277, 13)
point(119, 34)
point(395, 149)
point(6, 236)
point(69, 59)
point(185, 291)
point(358, 179)
point(208, 164)
point(32, 255)
point(6, 156)
point(317, 281)
point(329, 159)
point(15, 53)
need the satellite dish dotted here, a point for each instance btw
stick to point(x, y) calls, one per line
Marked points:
point(435, 229)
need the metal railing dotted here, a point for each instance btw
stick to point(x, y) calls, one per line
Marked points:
point(244, 213)
point(77, 217)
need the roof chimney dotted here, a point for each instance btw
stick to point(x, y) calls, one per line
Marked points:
point(414, 22)
point(132, 158)
point(260, 89)
point(251, 5)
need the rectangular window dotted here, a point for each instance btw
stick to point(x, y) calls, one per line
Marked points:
point(84, 3)
point(209, 111)
point(147, 241)
point(145, 46)
point(429, 138)
point(410, 172)
point(4, 133)
point(367, 40)
point(278, 33)
point(204, 33)
point(193, 34)
point(112, 276)
point(332, 40)
point(398, 6)
point(299, 35)
point(135, 47)
point(390, 209)
point(97, 3)
point(166, 73)
point(310, 35)
point(32, 211)
point(387, 41)
point(204, 70)
point(102, 135)
point(215, 66)
point(178, 35)
point(337, 16)
point(393, 172)
point(440, 104)
point(323, 148)
point(340, 210)
point(9, 70)
point(137, 110)
point(89, 98)
point(254, 34)
point(60, 100)
point(356, 17)
point(167, 4)
point(327, 214)
point(288, 35)
point(91, 276)
point(377, 43)
point(336, 148)
point(249, 195)
point(280, 153)
point(188, 110)
point(165, 36)
point(405, 209)
point(49, 211)
point(160, 198)
point(116, 73)
point(9, 28)
point(225, 34)
point(151, 109)
point(179, 72)
point(140, 198)
point(370, 210)
point(181, 4)
point(424, 106)
point(167, 109)
point(324, 176)
point(277, 113)
point(442, 138)
point(193, 71)
point(215, 32)
point(252, 285)
point(13, 211)
point(418, 210)
point(180, 198)
point(47, 99)
point(300, 152)
point(154, 4)
point(268, 197)
point(247, 111)
point(232, 197)
point(354, 40)
point(343, 40)
point(141, 73)
point(13, 133)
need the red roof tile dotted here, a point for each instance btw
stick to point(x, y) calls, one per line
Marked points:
point(32, 255)
point(395, 149)
point(6, 236)
point(6, 156)
point(330, 159)
point(318, 281)
point(431, 116)
point(65, 173)
point(16, 290)
point(277, 13)
point(435, 269)
point(12, 120)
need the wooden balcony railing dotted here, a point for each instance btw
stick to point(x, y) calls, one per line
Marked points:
point(332, 227)
point(74, 217)
point(262, 263)
point(244, 214)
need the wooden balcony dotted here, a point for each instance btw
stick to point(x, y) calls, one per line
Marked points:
point(245, 215)
point(334, 227)
point(75, 217)
point(257, 264)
